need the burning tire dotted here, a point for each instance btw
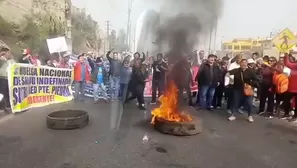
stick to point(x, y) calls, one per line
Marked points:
point(178, 128)
point(67, 119)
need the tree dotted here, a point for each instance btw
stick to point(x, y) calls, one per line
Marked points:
point(84, 32)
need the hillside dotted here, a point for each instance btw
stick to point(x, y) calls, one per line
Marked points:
point(28, 23)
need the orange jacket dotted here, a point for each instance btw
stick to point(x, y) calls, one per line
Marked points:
point(77, 72)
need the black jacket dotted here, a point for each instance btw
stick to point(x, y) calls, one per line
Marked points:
point(94, 74)
point(138, 77)
point(204, 75)
point(248, 76)
point(115, 65)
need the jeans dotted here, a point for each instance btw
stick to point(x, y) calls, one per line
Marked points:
point(206, 94)
point(240, 99)
point(114, 87)
point(97, 89)
point(79, 90)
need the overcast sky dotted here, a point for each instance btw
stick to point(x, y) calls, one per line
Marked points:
point(241, 18)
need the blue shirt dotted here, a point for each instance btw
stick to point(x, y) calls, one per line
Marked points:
point(100, 75)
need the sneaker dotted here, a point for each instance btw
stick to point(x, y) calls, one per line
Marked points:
point(229, 111)
point(250, 119)
point(153, 102)
point(232, 118)
point(218, 107)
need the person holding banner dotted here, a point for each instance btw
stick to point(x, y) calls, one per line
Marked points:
point(81, 77)
point(5, 62)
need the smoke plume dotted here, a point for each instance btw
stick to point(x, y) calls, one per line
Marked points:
point(182, 22)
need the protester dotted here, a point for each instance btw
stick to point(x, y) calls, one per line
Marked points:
point(137, 84)
point(5, 62)
point(229, 81)
point(49, 63)
point(159, 69)
point(64, 61)
point(292, 88)
point(220, 90)
point(137, 57)
point(124, 79)
point(114, 74)
point(208, 78)
point(266, 92)
point(98, 79)
point(81, 77)
point(244, 80)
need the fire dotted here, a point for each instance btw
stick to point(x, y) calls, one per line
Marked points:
point(168, 109)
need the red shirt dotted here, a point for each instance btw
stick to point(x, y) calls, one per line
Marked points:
point(293, 76)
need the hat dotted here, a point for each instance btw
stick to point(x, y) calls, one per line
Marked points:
point(250, 61)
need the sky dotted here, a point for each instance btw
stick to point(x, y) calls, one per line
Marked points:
point(240, 18)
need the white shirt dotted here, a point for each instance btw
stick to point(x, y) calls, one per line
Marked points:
point(229, 79)
point(287, 71)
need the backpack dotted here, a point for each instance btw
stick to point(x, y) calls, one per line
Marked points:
point(281, 82)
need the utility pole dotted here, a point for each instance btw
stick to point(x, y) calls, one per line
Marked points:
point(215, 34)
point(68, 6)
point(106, 41)
point(210, 40)
point(128, 38)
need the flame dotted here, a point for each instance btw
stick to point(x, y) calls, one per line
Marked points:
point(168, 109)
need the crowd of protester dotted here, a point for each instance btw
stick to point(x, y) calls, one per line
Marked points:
point(238, 78)
point(220, 81)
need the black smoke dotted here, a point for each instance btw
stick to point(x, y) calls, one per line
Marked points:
point(183, 22)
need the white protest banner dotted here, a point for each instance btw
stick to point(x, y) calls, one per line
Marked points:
point(57, 45)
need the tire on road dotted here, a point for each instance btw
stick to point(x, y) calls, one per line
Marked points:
point(67, 119)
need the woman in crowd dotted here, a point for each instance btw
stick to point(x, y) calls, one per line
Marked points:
point(137, 84)
point(266, 84)
point(244, 81)
point(292, 87)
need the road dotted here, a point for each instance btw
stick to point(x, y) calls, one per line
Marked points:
point(25, 142)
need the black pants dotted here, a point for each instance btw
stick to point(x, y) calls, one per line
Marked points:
point(5, 91)
point(157, 85)
point(137, 92)
point(266, 93)
point(287, 103)
point(229, 95)
point(278, 99)
point(181, 94)
point(218, 96)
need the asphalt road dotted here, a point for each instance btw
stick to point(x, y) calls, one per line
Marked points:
point(111, 142)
